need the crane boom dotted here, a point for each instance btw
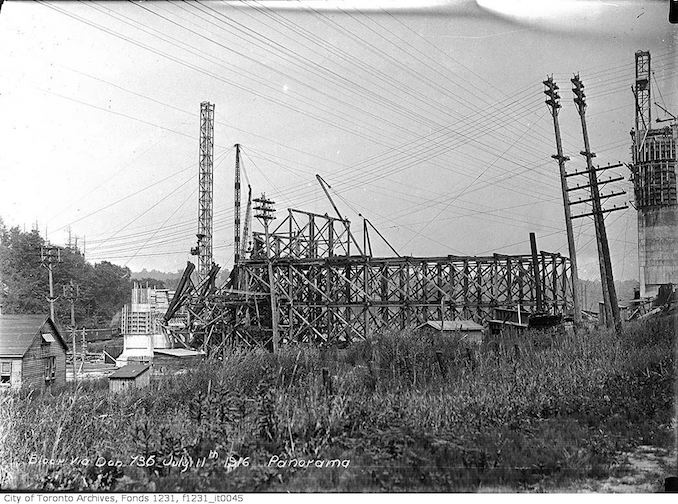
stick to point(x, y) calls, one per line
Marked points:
point(248, 224)
point(236, 208)
point(323, 183)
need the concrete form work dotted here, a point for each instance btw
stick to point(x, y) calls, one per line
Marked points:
point(141, 324)
point(654, 179)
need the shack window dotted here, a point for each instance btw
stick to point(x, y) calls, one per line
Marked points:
point(5, 372)
point(50, 368)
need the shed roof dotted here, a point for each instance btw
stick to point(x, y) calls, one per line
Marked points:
point(129, 371)
point(178, 352)
point(18, 331)
point(453, 325)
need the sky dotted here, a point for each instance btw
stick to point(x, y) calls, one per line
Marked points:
point(428, 118)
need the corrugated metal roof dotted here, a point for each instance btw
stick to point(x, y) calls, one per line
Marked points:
point(129, 371)
point(454, 325)
point(17, 333)
point(178, 352)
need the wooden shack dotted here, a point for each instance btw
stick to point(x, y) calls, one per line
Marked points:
point(468, 330)
point(32, 352)
point(509, 320)
point(129, 377)
point(168, 361)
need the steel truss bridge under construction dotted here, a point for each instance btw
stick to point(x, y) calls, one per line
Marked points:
point(307, 280)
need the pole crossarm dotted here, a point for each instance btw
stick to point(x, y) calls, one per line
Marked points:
point(602, 196)
point(606, 211)
point(596, 183)
point(599, 169)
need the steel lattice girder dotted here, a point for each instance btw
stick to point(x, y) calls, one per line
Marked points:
point(349, 297)
point(305, 234)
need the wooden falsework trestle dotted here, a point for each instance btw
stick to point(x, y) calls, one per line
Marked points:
point(347, 298)
point(324, 294)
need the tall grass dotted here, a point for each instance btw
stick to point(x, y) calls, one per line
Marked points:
point(410, 412)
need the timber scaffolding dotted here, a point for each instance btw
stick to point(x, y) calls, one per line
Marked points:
point(323, 294)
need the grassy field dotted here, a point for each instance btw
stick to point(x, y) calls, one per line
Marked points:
point(407, 412)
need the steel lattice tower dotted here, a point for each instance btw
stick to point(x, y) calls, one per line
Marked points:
point(642, 92)
point(205, 182)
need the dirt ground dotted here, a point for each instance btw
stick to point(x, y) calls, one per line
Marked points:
point(642, 471)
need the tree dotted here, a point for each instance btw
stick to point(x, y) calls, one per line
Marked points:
point(104, 287)
point(25, 286)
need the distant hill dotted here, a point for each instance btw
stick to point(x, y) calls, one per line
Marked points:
point(155, 275)
point(171, 280)
point(592, 292)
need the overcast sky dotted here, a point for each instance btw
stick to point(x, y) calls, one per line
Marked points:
point(428, 119)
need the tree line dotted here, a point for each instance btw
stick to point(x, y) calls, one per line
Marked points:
point(24, 286)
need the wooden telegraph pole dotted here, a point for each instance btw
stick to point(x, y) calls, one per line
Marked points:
point(606, 278)
point(553, 101)
point(535, 273)
point(71, 293)
point(50, 255)
point(265, 213)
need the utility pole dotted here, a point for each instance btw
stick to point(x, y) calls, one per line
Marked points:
point(265, 213)
point(606, 277)
point(72, 293)
point(84, 347)
point(50, 254)
point(535, 273)
point(553, 101)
